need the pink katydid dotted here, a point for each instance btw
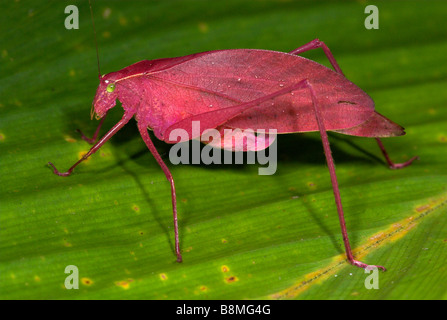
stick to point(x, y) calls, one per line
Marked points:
point(246, 88)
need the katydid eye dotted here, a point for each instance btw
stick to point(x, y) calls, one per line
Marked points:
point(110, 88)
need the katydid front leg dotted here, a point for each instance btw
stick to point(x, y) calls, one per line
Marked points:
point(124, 120)
point(315, 44)
point(95, 135)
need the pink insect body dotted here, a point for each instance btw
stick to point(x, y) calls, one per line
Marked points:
point(243, 89)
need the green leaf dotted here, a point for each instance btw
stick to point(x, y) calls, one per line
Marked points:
point(242, 235)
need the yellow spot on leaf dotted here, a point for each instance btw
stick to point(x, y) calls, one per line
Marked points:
point(106, 34)
point(2, 137)
point(231, 279)
point(201, 290)
point(311, 185)
point(125, 284)
point(122, 21)
point(203, 27)
point(163, 276)
point(224, 241)
point(225, 269)
point(81, 154)
point(136, 208)
point(37, 278)
point(69, 139)
point(66, 243)
point(86, 281)
point(71, 73)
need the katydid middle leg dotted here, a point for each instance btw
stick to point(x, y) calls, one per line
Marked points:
point(145, 135)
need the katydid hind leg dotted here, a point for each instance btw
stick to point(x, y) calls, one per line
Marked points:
point(390, 163)
point(331, 166)
point(125, 119)
point(145, 135)
point(315, 44)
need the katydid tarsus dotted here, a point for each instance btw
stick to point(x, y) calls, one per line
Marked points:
point(246, 88)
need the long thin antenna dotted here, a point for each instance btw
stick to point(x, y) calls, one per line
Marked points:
point(96, 40)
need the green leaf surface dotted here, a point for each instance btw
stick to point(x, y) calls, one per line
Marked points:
point(243, 236)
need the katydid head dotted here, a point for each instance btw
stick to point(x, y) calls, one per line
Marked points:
point(106, 96)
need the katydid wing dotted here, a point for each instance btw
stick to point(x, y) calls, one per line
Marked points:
point(242, 88)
